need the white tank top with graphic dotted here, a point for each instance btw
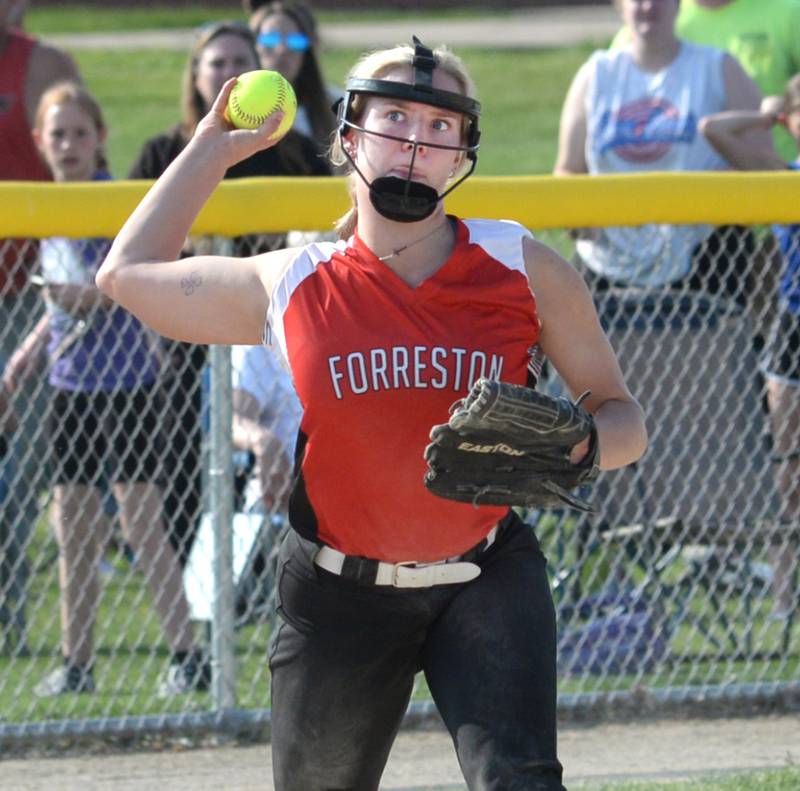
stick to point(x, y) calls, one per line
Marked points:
point(648, 121)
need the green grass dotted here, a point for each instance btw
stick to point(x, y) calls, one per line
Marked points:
point(787, 779)
point(135, 108)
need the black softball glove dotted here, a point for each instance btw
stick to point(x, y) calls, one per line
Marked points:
point(509, 445)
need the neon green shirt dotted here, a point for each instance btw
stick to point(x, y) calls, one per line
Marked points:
point(763, 35)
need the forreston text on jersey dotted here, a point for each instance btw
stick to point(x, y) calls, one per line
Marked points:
point(403, 367)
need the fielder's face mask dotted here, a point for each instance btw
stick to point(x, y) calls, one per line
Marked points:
point(398, 199)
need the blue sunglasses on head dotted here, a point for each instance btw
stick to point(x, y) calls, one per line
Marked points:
point(297, 42)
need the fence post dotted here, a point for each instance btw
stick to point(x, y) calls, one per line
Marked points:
point(220, 460)
point(220, 504)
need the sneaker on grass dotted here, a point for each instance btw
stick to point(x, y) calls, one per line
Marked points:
point(191, 673)
point(65, 680)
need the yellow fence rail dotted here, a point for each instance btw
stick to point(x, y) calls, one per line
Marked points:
point(278, 204)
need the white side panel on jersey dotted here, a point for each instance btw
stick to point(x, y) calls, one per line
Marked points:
point(501, 239)
point(304, 265)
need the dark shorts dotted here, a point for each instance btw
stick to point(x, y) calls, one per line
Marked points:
point(345, 654)
point(114, 435)
point(782, 352)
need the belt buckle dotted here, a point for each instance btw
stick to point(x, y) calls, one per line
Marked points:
point(395, 569)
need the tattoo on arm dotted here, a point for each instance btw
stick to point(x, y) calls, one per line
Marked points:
point(191, 284)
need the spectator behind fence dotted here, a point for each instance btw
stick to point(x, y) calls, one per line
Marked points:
point(636, 109)
point(761, 34)
point(221, 51)
point(266, 416)
point(104, 418)
point(27, 68)
point(729, 133)
point(287, 42)
point(672, 298)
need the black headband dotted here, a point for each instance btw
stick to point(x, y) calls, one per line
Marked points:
point(448, 100)
point(421, 91)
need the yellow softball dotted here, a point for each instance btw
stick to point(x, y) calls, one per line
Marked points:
point(258, 94)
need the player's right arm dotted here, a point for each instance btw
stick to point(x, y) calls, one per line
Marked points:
point(203, 299)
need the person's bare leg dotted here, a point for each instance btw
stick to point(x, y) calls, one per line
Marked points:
point(784, 407)
point(142, 518)
point(81, 530)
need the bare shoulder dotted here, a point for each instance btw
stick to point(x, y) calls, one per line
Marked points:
point(562, 296)
point(549, 273)
point(570, 332)
point(273, 266)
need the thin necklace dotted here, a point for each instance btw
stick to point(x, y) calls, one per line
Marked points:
point(397, 250)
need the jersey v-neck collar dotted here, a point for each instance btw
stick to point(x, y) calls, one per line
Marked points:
point(367, 258)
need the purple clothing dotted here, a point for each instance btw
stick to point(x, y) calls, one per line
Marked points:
point(107, 349)
point(788, 237)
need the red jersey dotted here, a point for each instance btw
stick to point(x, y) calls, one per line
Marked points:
point(19, 158)
point(376, 364)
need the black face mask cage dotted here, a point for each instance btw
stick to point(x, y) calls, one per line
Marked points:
point(404, 200)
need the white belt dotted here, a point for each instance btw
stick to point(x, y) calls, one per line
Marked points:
point(410, 574)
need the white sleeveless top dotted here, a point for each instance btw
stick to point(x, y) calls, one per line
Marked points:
point(648, 121)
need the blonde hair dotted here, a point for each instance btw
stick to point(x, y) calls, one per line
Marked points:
point(73, 93)
point(375, 65)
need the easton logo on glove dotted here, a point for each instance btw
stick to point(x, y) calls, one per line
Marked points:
point(509, 445)
point(501, 447)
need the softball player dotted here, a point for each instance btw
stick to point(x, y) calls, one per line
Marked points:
point(382, 331)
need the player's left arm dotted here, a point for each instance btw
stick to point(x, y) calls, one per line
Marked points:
point(572, 338)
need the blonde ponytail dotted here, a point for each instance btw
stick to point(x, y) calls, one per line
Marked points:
point(345, 226)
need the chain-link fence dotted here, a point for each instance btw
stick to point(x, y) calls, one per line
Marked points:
point(144, 488)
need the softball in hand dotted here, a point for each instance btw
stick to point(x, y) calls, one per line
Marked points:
point(258, 94)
